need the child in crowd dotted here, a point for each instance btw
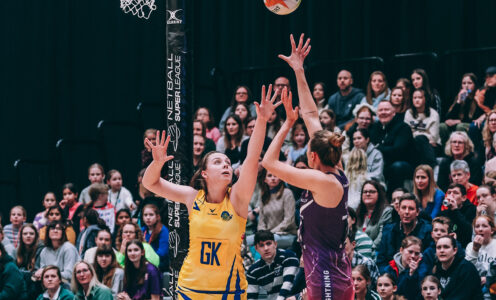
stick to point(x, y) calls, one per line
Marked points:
point(327, 119)
point(156, 234)
point(17, 219)
point(361, 280)
point(99, 201)
point(482, 250)
point(386, 287)
point(48, 201)
point(299, 141)
point(431, 288)
point(96, 174)
point(55, 213)
point(72, 209)
point(123, 216)
point(107, 270)
point(146, 154)
point(119, 196)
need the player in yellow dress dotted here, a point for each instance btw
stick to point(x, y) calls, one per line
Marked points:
point(213, 268)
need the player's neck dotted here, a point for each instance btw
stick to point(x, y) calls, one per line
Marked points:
point(216, 193)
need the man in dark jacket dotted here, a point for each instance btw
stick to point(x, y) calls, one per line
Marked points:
point(394, 233)
point(461, 213)
point(394, 139)
point(344, 101)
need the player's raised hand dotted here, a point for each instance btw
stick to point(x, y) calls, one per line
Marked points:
point(298, 54)
point(159, 150)
point(267, 105)
point(287, 101)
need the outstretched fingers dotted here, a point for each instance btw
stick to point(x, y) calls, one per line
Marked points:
point(163, 138)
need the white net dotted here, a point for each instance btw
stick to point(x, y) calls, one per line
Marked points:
point(140, 8)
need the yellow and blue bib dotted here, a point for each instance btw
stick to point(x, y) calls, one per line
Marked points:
point(213, 268)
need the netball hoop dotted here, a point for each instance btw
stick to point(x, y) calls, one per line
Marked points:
point(140, 8)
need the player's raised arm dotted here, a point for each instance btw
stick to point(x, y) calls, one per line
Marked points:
point(307, 105)
point(152, 180)
point(243, 189)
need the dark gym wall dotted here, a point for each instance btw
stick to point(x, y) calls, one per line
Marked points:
point(65, 65)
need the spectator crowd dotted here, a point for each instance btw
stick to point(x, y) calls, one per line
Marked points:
point(421, 202)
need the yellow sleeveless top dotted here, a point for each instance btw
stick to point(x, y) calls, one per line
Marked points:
point(213, 268)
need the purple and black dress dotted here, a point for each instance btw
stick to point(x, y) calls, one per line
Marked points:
point(322, 235)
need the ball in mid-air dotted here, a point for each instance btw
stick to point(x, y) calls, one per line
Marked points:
point(282, 7)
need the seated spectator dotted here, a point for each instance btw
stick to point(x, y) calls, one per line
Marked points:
point(92, 225)
point(327, 119)
point(431, 288)
point(156, 234)
point(122, 217)
point(127, 233)
point(377, 89)
point(11, 284)
point(441, 226)
point(200, 129)
point(424, 122)
point(230, 144)
point(107, 270)
point(142, 280)
point(299, 142)
point(420, 80)
point(344, 101)
point(243, 112)
point(48, 201)
point(490, 165)
point(373, 211)
point(425, 188)
point(463, 110)
point(72, 208)
point(198, 150)
point(17, 219)
point(488, 151)
point(27, 259)
point(482, 250)
point(375, 162)
point(364, 117)
point(242, 94)
point(409, 225)
point(56, 213)
point(460, 173)
point(486, 204)
point(277, 210)
point(58, 251)
point(118, 195)
point(319, 95)
point(85, 284)
point(459, 147)
point(96, 174)
point(280, 83)
point(359, 259)
point(146, 154)
point(460, 211)
point(406, 85)
point(51, 281)
point(395, 203)
point(387, 287)
point(274, 272)
point(458, 277)
point(361, 280)
point(267, 141)
point(205, 115)
point(363, 243)
point(9, 248)
point(102, 239)
point(356, 172)
point(99, 202)
point(398, 100)
point(395, 141)
point(404, 267)
point(485, 97)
